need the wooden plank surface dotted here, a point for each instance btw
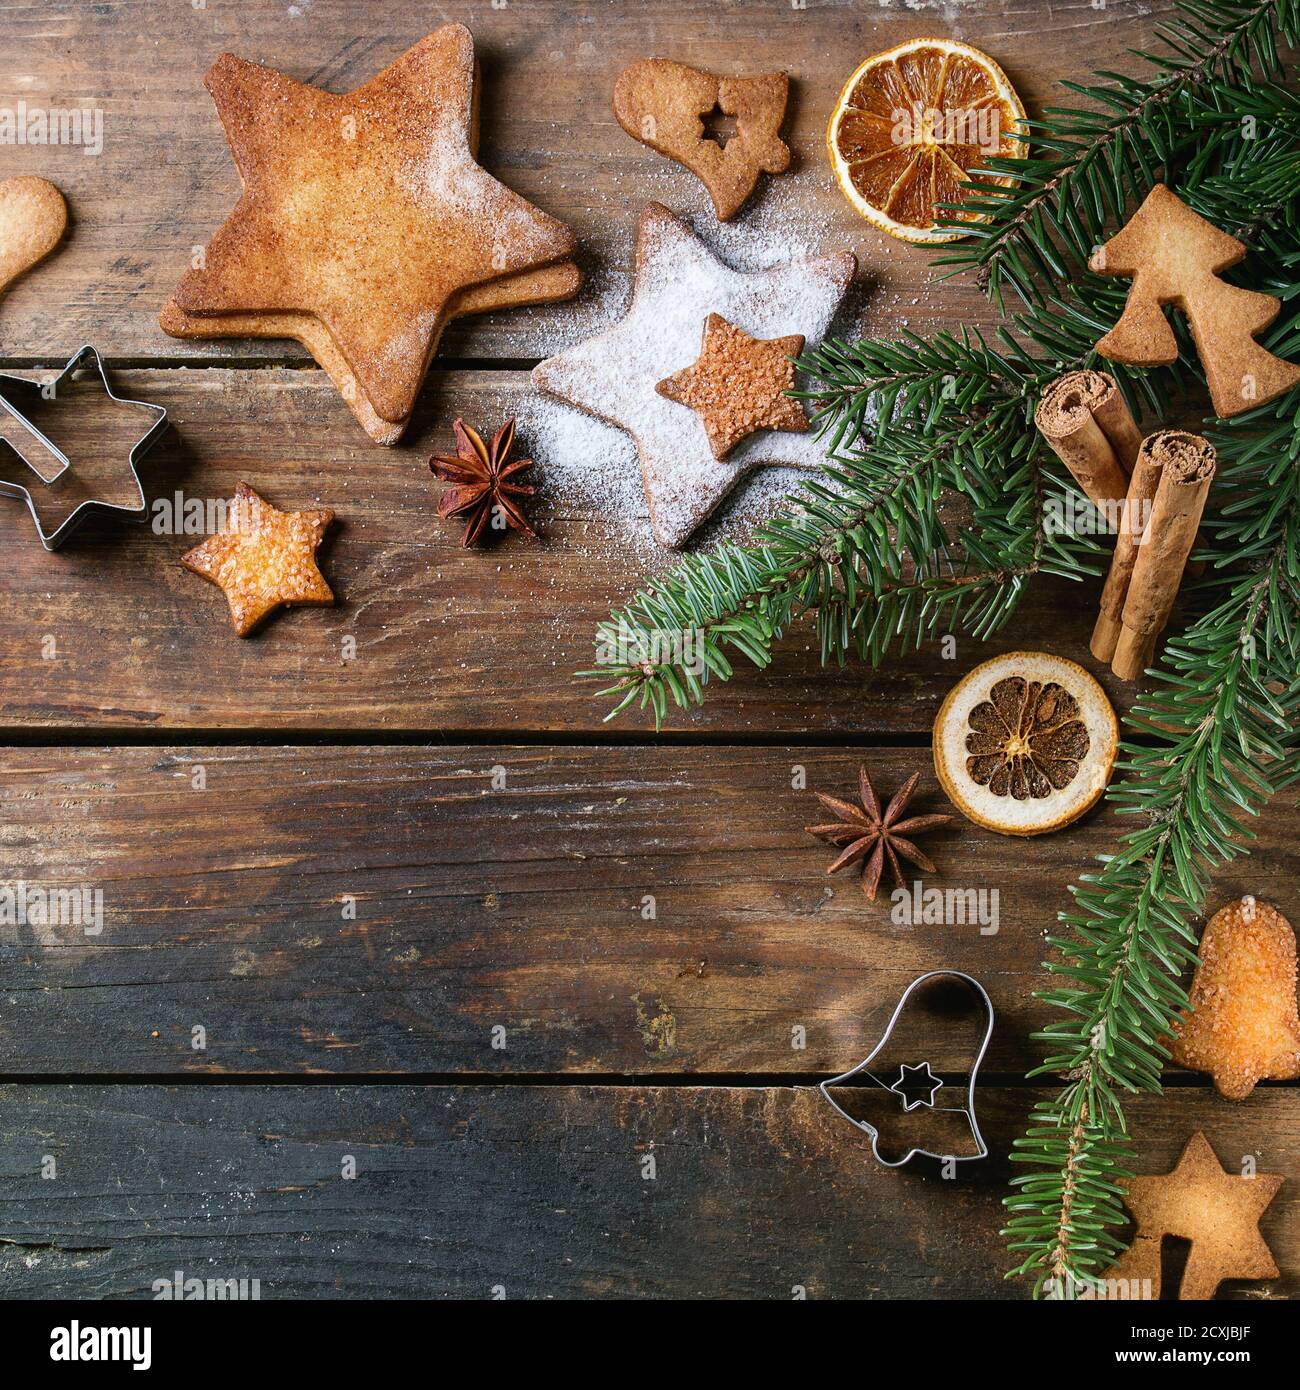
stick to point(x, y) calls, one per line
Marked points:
point(164, 181)
point(520, 908)
point(538, 1191)
point(229, 893)
point(444, 638)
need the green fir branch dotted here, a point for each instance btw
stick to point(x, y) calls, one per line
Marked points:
point(961, 393)
point(934, 514)
point(1087, 166)
point(1219, 737)
point(867, 549)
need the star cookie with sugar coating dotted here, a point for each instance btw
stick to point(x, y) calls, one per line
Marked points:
point(264, 559)
point(739, 385)
point(678, 284)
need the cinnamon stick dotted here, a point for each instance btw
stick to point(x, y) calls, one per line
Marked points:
point(1111, 412)
point(1084, 417)
point(1185, 463)
point(1142, 487)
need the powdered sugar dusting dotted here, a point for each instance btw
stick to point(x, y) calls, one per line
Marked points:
point(775, 226)
point(581, 459)
point(779, 224)
point(587, 466)
point(447, 183)
point(679, 282)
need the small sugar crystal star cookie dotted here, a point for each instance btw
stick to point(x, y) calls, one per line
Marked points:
point(615, 376)
point(738, 384)
point(1217, 1211)
point(264, 559)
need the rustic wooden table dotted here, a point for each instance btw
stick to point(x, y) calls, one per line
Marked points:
point(306, 853)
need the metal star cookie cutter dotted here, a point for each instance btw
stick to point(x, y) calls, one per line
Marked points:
point(16, 392)
point(907, 1077)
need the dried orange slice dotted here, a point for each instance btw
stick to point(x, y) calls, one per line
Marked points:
point(1025, 743)
point(909, 126)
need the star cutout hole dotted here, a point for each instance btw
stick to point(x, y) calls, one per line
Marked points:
point(719, 127)
point(916, 1086)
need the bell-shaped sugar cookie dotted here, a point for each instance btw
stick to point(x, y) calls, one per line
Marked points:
point(1242, 1026)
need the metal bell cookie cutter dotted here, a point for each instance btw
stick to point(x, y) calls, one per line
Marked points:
point(919, 1077)
point(18, 395)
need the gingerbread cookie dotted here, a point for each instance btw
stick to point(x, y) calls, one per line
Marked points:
point(1175, 256)
point(1241, 1026)
point(33, 218)
point(366, 211)
point(678, 284)
point(663, 104)
point(264, 559)
point(545, 286)
point(738, 385)
point(1217, 1211)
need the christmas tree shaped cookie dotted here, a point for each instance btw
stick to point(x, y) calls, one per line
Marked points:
point(1175, 256)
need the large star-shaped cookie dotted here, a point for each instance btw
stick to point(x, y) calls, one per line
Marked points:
point(545, 286)
point(1217, 1211)
point(264, 559)
point(678, 284)
point(366, 210)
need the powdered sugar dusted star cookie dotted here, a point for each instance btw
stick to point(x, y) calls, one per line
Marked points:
point(679, 283)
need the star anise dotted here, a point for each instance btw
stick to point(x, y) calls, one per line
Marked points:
point(481, 476)
point(869, 835)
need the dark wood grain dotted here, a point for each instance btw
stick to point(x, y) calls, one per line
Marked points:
point(357, 910)
point(444, 638)
point(165, 180)
point(519, 907)
point(757, 1193)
